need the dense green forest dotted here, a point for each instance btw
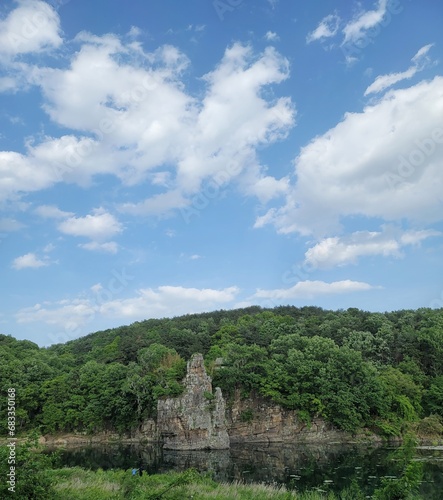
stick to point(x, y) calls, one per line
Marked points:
point(357, 369)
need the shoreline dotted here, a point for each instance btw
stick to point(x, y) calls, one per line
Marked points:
point(74, 440)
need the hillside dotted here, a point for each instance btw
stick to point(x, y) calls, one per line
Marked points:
point(356, 369)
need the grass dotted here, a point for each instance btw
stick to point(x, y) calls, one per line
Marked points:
point(80, 484)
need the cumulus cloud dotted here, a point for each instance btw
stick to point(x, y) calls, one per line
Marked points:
point(384, 162)
point(327, 28)
point(98, 226)
point(382, 82)
point(340, 251)
point(267, 188)
point(138, 122)
point(29, 260)
point(310, 289)
point(33, 26)
point(19, 173)
point(164, 301)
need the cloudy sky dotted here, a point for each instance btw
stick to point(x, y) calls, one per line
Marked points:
point(166, 157)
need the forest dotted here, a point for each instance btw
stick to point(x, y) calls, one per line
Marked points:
point(382, 372)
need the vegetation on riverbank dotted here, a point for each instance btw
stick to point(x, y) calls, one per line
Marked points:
point(38, 477)
point(80, 484)
point(382, 372)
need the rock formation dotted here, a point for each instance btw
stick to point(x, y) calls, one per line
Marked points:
point(258, 420)
point(196, 419)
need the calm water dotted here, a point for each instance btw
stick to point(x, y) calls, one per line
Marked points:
point(299, 467)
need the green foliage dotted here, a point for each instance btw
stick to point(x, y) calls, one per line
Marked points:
point(409, 475)
point(208, 395)
point(431, 426)
point(33, 479)
point(316, 376)
point(433, 397)
point(244, 367)
point(354, 368)
point(247, 415)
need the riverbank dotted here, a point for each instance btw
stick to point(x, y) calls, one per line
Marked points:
point(79, 484)
point(320, 438)
point(302, 469)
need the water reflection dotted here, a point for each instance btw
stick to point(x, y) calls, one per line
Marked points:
point(330, 468)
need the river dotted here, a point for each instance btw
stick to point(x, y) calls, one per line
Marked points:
point(328, 468)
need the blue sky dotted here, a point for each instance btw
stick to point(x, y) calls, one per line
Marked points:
point(164, 158)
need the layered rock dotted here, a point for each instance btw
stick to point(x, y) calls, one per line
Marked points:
point(196, 419)
point(258, 420)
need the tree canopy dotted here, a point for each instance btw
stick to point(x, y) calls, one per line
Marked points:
point(382, 371)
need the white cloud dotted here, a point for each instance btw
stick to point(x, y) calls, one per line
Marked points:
point(310, 289)
point(49, 248)
point(160, 204)
point(28, 260)
point(271, 36)
point(164, 301)
point(267, 188)
point(68, 315)
point(348, 170)
point(416, 237)
point(197, 28)
point(168, 301)
point(52, 212)
point(421, 57)
point(33, 26)
point(356, 29)
point(134, 120)
point(383, 82)
point(19, 173)
point(327, 28)
point(9, 225)
point(98, 226)
point(108, 247)
point(7, 83)
point(134, 32)
point(339, 251)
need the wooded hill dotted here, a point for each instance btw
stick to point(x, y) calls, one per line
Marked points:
point(382, 371)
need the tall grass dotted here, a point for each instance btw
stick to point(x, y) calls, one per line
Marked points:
point(79, 484)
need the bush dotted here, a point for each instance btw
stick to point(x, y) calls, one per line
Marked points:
point(247, 416)
point(430, 426)
point(32, 472)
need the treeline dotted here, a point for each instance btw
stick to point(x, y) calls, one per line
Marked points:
point(381, 371)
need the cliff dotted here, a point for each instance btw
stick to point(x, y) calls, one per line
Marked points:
point(258, 420)
point(200, 419)
point(195, 420)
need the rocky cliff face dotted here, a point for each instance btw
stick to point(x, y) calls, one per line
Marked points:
point(256, 420)
point(195, 420)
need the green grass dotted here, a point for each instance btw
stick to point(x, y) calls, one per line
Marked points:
point(80, 484)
